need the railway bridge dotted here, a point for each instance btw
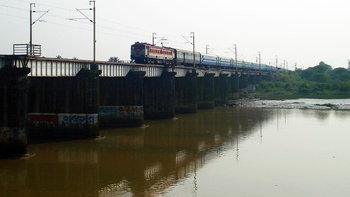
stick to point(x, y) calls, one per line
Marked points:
point(60, 98)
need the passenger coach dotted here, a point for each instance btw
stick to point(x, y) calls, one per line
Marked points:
point(144, 53)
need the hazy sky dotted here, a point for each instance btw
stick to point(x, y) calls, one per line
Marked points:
point(302, 32)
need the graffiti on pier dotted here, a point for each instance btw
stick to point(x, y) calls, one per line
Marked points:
point(121, 112)
point(62, 120)
point(4, 134)
point(43, 120)
point(8, 135)
point(78, 120)
point(130, 111)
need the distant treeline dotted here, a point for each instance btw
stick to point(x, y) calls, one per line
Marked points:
point(321, 81)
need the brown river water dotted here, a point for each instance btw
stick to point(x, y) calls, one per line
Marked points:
point(268, 148)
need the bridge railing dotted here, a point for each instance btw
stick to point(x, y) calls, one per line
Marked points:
point(44, 67)
point(113, 70)
point(54, 67)
point(17, 61)
point(122, 69)
point(26, 49)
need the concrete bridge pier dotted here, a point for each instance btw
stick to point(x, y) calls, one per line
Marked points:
point(13, 110)
point(206, 90)
point(269, 77)
point(121, 100)
point(221, 89)
point(259, 78)
point(64, 107)
point(265, 77)
point(186, 93)
point(159, 96)
point(90, 98)
point(252, 81)
point(243, 81)
point(233, 86)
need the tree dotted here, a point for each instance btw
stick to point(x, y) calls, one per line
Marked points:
point(320, 77)
point(340, 74)
point(322, 68)
point(113, 59)
point(306, 74)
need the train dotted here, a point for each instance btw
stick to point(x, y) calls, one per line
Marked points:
point(145, 53)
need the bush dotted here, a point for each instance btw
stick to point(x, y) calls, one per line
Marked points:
point(318, 81)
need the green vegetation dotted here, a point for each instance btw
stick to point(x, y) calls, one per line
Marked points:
point(320, 81)
point(113, 59)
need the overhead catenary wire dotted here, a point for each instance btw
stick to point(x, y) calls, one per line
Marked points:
point(170, 38)
point(108, 27)
point(65, 18)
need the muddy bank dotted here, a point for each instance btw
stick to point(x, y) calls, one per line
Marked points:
point(325, 104)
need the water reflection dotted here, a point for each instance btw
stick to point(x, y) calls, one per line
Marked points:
point(202, 154)
point(134, 161)
point(341, 114)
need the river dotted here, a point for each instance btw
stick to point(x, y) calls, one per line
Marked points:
point(260, 148)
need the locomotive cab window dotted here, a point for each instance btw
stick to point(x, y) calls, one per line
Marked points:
point(138, 47)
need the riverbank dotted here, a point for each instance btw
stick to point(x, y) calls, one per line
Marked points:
point(299, 103)
point(285, 96)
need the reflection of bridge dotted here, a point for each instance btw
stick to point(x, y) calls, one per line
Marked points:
point(45, 97)
point(140, 162)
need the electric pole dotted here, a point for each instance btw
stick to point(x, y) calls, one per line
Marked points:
point(194, 48)
point(259, 60)
point(93, 21)
point(235, 48)
point(31, 28)
point(206, 49)
point(153, 37)
point(31, 5)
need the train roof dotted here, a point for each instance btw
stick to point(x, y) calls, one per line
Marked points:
point(228, 58)
point(148, 44)
point(186, 51)
point(145, 43)
point(208, 55)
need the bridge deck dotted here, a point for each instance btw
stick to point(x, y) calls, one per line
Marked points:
point(52, 67)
